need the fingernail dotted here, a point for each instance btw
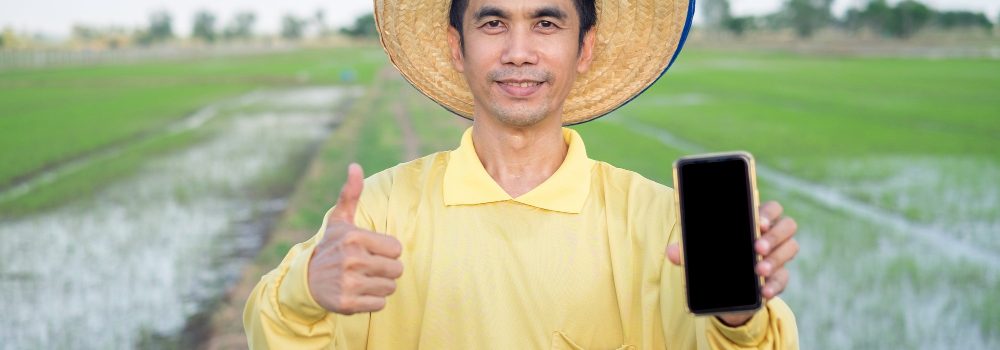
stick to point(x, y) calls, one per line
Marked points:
point(765, 222)
point(767, 291)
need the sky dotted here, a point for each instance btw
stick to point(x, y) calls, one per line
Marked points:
point(55, 17)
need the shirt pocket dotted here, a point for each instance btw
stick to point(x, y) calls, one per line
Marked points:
point(561, 342)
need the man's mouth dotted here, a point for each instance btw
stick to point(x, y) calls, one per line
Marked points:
point(520, 88)
point(523, 84)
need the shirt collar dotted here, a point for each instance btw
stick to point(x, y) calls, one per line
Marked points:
point(466, 181)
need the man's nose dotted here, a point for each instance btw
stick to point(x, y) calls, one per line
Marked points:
point(521, 49)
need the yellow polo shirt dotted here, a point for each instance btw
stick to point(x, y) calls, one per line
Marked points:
point(576, 263)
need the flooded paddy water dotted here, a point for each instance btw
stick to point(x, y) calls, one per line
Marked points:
point(136, 261)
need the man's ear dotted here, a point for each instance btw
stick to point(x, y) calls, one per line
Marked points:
point(455, 42)
point(586, 51)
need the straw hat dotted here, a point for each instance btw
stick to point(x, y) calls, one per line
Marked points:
point(637, 40)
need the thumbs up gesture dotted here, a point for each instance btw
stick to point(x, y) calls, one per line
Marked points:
point(353, 270)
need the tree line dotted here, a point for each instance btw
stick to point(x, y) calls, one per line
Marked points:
point(806, 17)
point(206, 27)
point(241, 26)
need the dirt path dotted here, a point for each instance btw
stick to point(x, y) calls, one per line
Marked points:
point(226, 326)
point(226, 322)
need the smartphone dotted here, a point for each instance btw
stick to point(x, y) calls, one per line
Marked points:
point(717, 200)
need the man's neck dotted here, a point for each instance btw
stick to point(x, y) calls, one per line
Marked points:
point(519, 159)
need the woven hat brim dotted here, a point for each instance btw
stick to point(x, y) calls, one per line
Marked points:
point(637, 42)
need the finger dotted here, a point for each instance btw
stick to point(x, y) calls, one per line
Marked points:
point(383, 245)
point(674, 254)
point(777, 259)
point(769, 213)
point(347, 203)
point(373, 243)
point(784, 229)
point(378, 287)
point(364, 303)
point(368, 303)
point(775, 284)
point(380, 266)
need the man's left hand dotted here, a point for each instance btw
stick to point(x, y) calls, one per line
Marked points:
point(776, 244)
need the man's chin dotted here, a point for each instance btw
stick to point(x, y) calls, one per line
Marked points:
point(520, 116)
point(521, 120)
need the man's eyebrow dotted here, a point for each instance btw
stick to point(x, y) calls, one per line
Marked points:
point(490, 11)
point(550, 11)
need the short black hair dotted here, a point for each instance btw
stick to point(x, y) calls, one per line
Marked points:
point(586, 9)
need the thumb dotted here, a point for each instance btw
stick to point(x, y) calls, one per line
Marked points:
point(347, 204)
point(674, 254)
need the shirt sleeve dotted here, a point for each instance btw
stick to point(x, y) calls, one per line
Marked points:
point(772, 327)
point(281, 312)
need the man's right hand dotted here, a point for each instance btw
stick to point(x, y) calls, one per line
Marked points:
point(353, 270)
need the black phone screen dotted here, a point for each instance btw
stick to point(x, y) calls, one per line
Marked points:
point(716, 208)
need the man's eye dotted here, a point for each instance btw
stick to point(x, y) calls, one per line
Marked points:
point(493, 24)
point(546, 24)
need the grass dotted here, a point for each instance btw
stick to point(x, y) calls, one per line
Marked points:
point(49, 116)
point(783, 106)
point(917, 137)
point(94, 175)
point(914, 137)
point(57, 123)
point(59, 113)
point(369, 119)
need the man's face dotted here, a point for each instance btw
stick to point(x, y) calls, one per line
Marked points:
point(521, 57)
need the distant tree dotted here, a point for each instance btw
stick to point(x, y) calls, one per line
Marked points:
point(715, 13)
point(160, 29)
point(852, 20)
point(363, 27)
point(962, 19)
point(292, 27)
point(319, 20)
point(773, 21)
point(907, 18)
point(161, 26)
point(241, 26)
point(875, 15)
point(739, 25)
point(204, 26)
point(807, 16)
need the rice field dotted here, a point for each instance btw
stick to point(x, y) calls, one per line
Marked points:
point(891, 166)
point(53, 116)
point(134, 263)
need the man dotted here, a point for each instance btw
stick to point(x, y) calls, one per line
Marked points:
point(516, 239)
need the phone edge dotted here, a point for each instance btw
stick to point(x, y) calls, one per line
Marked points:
point(752, 169)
